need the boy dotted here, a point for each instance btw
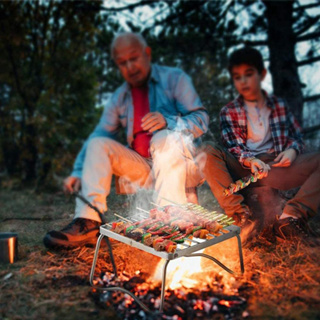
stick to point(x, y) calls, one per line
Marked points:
point(260, 133)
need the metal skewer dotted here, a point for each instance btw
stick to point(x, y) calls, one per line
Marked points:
point(155, 204)
point(123, 218)
point(145, 211)
point(221, 218)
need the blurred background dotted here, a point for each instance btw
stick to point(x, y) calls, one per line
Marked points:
point(56, 72)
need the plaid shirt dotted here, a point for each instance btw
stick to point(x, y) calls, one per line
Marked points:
point(285, 130)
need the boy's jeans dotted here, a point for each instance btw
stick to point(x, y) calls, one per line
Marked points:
point(169, 167)
point(220, 168)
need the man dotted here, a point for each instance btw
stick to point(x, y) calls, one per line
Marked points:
point(157, 106)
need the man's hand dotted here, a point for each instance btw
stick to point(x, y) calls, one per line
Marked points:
point(153, 121)
point(285, 158)
point(258, 165)
point(71, 184)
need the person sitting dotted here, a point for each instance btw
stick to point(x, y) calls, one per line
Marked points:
point(259, 133)
point(158, 107)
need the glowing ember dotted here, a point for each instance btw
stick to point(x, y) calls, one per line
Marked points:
point(198, 305)
point(225, 303)
point(200, 302)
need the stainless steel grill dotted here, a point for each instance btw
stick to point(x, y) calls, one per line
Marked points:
point(189, 248)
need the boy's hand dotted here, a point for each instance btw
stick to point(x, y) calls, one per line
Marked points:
point(153, 121)
point(285, 158)
point(71, 184)
point(258, 165)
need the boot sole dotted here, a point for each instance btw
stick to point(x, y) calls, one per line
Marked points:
point(54, 243)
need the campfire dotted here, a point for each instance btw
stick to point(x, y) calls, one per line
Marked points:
point(186, 288)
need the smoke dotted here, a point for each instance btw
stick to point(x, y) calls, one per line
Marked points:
point(172, 169)
point(248, 232)
point(176, 165)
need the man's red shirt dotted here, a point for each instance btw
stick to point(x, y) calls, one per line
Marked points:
point(141, 138)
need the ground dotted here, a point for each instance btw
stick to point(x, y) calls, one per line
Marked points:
point(281, 281)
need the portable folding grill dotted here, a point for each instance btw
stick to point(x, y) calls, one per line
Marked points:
point(189, 248)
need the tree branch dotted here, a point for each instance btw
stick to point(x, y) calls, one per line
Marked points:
point(307, 6)
point(128, 7)
point(55, 30)
point(308, 25)
point(311, 98)
point(15, 72)
point(309, 36)
point(195, 6)
point(311, 129)
point(256, 43)
point(308, 61)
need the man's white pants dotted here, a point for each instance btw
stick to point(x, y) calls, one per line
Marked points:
point(171, 160)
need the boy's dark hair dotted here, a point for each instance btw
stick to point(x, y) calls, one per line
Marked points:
point(246, 55)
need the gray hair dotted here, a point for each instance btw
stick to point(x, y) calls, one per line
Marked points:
point(130, 35)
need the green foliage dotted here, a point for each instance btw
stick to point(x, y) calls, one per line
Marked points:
point(51, 71)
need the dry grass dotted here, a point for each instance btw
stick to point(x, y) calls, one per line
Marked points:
point(281, 281)
point(284, 282)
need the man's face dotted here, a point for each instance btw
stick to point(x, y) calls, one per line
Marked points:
point(133, 61)
point(247, 80)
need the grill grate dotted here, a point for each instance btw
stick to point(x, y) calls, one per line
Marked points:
point(186, 248)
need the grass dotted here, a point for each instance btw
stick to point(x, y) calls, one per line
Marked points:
point(281, 281)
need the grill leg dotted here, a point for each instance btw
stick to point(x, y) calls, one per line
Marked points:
point(95, 257)
point(163, 285)
point(96, 253)
point(111, 257)
point(240, 253)
point(220, 264)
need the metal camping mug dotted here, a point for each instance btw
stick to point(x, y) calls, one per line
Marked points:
point(8, 247)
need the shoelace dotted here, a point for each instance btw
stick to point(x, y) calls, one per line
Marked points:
point(309, 231)
point(80, 222)
point(298, 226)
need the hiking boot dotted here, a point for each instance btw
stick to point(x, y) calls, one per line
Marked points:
point(77, 233)
point(290, 229)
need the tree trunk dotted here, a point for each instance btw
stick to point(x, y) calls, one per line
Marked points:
point(29, 147)
point(283, 63)
point(10, 151)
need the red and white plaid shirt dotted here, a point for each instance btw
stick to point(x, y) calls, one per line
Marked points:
point(285, 130)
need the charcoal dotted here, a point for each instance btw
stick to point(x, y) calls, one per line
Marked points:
point(180, 304)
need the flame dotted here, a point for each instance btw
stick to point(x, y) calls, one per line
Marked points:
point(180, 272)
point(198, 272)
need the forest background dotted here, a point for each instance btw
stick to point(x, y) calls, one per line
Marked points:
point(56, 72)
